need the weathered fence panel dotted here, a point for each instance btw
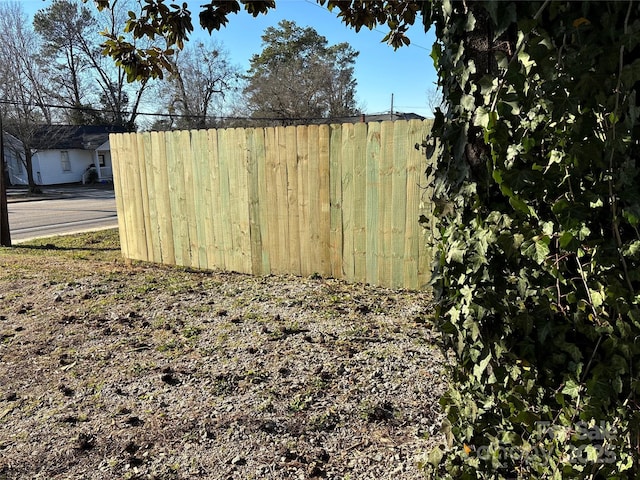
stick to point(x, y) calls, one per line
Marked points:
point(337, 200)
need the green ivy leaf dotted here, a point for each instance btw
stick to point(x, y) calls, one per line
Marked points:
point(479, 369)
point(520, 205)
point(538, 250)
point(456, 255)
point(571, 388)
point(597, 298)
point(481, 117)
point(435, 456)
point(554, 111)
point(565, 239)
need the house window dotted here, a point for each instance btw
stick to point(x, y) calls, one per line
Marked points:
point(64, 161)
point(101, 160)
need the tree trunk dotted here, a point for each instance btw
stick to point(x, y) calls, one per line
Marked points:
point(28, 161)
point(5, 233)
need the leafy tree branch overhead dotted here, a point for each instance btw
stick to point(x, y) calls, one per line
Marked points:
point(173, 22)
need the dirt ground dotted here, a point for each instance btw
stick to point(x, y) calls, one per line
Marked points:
point(110, 370)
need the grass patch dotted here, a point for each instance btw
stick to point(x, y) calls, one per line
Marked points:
point(103, 245)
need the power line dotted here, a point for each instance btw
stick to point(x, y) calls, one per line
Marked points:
point(221, 118)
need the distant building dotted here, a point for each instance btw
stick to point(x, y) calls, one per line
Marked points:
point(63, 154)
point(378, 117)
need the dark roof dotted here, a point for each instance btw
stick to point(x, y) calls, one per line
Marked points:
point(393, 116)
point(72, 137)
point(11, 141)
point(381, 117)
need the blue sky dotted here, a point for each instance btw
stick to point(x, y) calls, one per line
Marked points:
point(407, 73)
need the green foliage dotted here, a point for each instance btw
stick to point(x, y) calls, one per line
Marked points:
point(298, 75)
point(397, 15)
point(538, 269)
point(60, 25)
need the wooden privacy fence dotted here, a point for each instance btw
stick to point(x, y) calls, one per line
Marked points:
point(336, 200)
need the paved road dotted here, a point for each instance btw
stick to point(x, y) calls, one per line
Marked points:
point(64, 210)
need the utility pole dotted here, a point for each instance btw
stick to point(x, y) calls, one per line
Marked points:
point(5, 233)
point(391, 116)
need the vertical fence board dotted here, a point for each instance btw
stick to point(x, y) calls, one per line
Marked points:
point(324, 134)
point(174, 177)
point(137, 241)
point(153, 230)
point(360, 203)
point(270, 199)
point(425, 206)
point(291, 159)
point(178, 199)
point(243, 246)
point(282, 204)
point(412, 237)
point(189, 212)
point(371, 203)
point(385, 204)
point(163, 199)
point(201, 197)
point(128, 199)
point(143, 196)
point(335, 201)
point(189, 203)
point(253, 197)
point(261, 193)
point(119, 174)
point(306, 252)
point(217, 254)
point(412, 200)
point(347, 152)
point(226, 214)
point(230, 160)
point(313, 186)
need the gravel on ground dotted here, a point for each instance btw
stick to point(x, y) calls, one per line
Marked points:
point(111, 369)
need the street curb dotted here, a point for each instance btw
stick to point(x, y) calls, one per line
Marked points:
point(34, 199)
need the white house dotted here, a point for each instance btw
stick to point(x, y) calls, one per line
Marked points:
point(65, 154)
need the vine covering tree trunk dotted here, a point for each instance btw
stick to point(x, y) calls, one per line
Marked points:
point(538, 244)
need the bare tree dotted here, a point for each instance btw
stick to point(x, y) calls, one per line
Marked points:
point(96, 88)
point(23, 89)
point(62, 26)
point(201, 81)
